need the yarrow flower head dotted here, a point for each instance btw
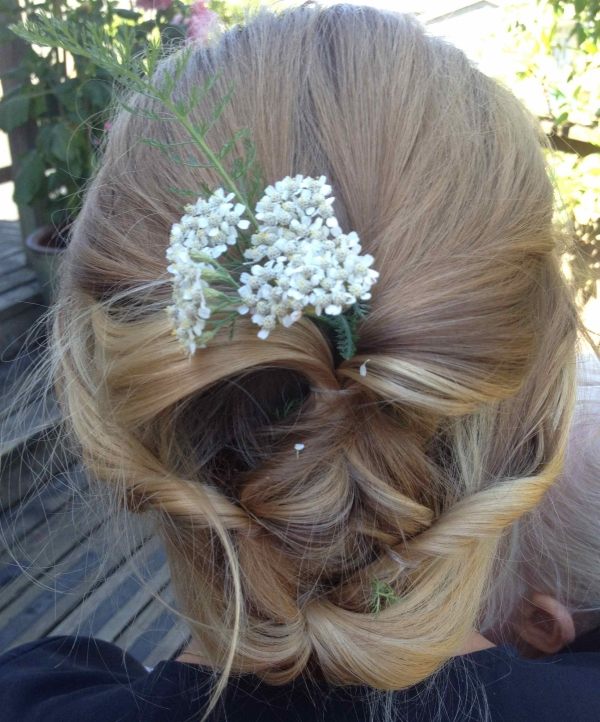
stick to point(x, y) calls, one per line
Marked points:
point(299, 262)
point(210, 225)
point(203, 234)
point(190, 309)
point(303, 262)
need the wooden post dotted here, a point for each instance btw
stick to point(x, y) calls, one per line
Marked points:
point(22, 139)
point(6, 174)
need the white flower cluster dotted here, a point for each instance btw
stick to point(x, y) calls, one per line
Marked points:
point(204, 232)
point(302, 259)
point(190, 310)
point(210, 225)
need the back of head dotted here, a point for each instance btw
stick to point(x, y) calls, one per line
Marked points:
point(410, 475)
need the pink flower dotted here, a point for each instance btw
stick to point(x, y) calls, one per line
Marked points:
point(154, 4)
point(201, 21)
point(107, 126)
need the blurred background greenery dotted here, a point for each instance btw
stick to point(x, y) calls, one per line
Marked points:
point(555, 70)
point(64, 100)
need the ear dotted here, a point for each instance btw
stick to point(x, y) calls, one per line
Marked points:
point(545, 623)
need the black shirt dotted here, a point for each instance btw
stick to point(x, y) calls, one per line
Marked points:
point(69, 679)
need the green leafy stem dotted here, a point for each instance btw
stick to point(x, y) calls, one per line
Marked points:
point(116, 54)
point(382, 596)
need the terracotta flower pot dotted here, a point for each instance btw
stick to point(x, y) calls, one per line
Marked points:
point(44, 248)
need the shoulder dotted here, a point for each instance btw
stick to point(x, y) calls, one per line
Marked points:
point(69, 679)
point(553, 689)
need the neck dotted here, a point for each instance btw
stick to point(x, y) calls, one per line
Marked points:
point(475, 643)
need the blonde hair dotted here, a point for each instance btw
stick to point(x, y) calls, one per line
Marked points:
point(411, 475)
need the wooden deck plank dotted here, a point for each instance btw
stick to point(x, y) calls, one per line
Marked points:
point(17, 328)
point(19, 427)
point(10, 238)
point(171, 644)
point(21, 332)
point(80, 599)
point(148, 620)
point(60, 571)
point(7, 250)
point(99, 606)
point(30, 468)
point(18, 379)
point(19, 277)
point(35, 613)
point(94, 563)
point(19, 522)
point(42, 553)
point(67, 487)
point(10, 233)
point(145, 644)
point(12, 262)
point(128, 614)
point(19, 299)
point(8, 246)
point(11, 372)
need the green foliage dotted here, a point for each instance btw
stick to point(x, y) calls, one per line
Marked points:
point(14, 111)
point(382, 596)
point(116, 52)
point(345, 329)
point(585, 14)
point(232, 12)
point(552, 56)
point(578, 188)
point(79, 54)
point(556, 44)
point(30, 178)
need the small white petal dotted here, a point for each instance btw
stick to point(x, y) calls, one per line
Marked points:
point(287, 321)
